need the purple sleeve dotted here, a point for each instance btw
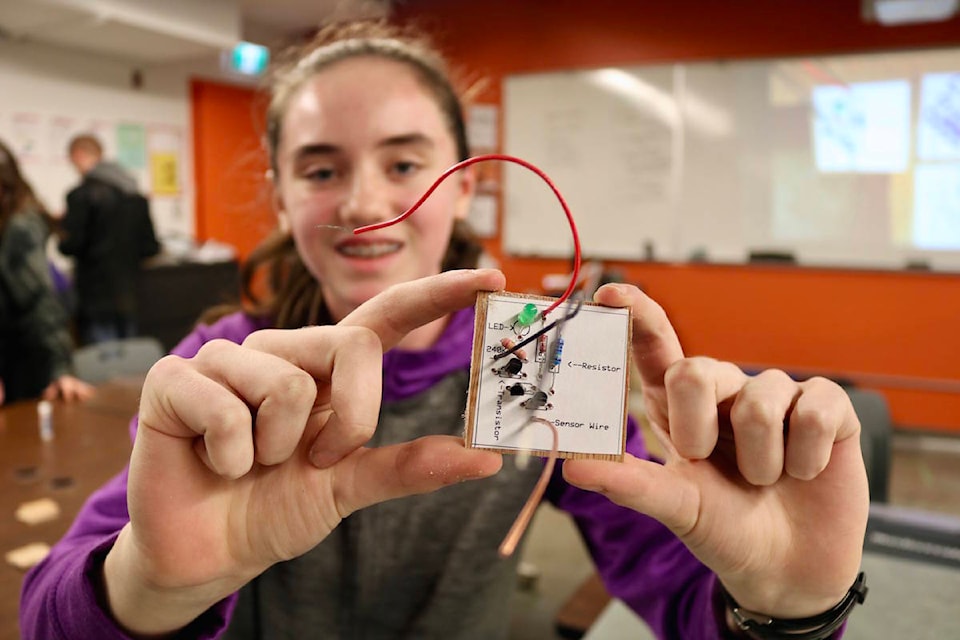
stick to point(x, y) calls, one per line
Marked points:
point(59, 598)
point(234, 327)
point(643, 563)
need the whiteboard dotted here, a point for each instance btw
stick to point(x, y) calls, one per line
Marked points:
point(842, 160)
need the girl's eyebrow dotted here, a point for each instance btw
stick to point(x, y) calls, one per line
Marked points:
point(317, 149)
point(401, 140)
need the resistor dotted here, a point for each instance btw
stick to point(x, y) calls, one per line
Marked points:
point(542, 348)
point(508, 344)
point(556, 356)
point(557, 353)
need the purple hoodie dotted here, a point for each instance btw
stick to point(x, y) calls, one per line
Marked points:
point(640, 561)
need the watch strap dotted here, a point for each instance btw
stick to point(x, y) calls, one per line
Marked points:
point(818, 627)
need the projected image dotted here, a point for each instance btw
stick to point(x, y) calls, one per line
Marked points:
point(938, 134)
point(862, 127)
point(936, 206)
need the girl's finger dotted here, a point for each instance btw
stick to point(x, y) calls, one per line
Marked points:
point(757, 418)
point(695, 389)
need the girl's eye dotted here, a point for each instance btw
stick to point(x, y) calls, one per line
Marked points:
point(320, 174)
point(404, 167)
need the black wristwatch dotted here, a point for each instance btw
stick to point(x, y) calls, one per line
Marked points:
point(819, 627)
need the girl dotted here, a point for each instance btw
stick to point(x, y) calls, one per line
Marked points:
point(256, 448)
point(35, 343)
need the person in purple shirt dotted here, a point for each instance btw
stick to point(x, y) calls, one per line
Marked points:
point(298, 467)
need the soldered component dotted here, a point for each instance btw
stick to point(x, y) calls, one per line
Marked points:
point(520, 389)
point(527, 315)
point(508, 344)
point(557, 356)
point(512, 369)
point(537, 401)
point(542, 347)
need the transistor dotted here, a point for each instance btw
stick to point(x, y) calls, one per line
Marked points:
point(516, 390)
point(511, 369)
point(538, 401)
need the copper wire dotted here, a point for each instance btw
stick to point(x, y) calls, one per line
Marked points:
point(512, 539)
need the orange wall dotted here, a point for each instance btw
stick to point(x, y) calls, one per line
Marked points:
point(232, 202)
point(897, 332)
point(497, 37)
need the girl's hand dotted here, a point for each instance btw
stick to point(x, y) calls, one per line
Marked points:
point(764, 480)
point(248, 455)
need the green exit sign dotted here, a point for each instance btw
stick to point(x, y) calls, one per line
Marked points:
point(249, 59)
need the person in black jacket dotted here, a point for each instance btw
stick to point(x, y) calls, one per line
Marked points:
point(35, 343)
point(108, 231)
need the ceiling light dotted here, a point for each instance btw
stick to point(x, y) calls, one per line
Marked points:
point(897, 12)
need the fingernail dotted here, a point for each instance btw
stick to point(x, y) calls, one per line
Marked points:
point(620, 289)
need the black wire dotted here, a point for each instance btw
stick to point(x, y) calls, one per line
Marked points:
point(536, 335)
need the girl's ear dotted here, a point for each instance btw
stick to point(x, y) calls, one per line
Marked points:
point(467, 185)
point(283, 221)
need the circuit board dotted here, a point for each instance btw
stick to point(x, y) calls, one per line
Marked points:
point(576, 375)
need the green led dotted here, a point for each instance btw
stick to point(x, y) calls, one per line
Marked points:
point(526, 317)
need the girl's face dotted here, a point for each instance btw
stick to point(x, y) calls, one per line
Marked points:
point(361, 141)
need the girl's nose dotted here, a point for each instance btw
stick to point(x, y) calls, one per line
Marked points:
point(367, 201)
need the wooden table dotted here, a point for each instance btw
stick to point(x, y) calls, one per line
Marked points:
point(91, 444)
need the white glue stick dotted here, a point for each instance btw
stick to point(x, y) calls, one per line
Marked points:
point(45, 420)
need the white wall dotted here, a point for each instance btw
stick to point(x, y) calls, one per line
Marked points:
point(48, 94)
point(209, 21)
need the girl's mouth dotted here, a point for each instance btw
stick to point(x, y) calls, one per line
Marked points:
point(376, 249)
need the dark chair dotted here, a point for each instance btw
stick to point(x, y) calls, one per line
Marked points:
point(772, 257)
point(875, 435)
point(99, 362)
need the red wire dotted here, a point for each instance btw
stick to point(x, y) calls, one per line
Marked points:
point(498, 156)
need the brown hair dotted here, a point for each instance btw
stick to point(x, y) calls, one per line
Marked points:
point(85, 142)
point(293, 297)
point(16, 194)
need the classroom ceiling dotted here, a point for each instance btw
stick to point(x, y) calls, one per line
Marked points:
point(145, 31)
point(266, 20)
